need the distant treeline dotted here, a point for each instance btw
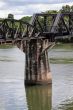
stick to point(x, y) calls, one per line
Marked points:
point(68, 39)
point(66, 8)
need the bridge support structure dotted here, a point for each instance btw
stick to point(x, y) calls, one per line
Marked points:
point(37, 63)
point(33, 38)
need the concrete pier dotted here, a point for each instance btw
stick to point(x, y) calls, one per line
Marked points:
point(37, 64)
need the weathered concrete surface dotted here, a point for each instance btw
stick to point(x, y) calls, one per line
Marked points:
point(37, 64)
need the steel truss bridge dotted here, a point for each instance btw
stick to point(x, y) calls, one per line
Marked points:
point(35, 38)
point(41, 26)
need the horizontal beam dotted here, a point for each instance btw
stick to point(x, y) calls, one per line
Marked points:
point(53, 14)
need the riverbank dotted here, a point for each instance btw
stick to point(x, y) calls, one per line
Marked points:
point(6, 46)
point(67, 46)
point(62, 54)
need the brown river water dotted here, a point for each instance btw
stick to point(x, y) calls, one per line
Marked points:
point(14, 95)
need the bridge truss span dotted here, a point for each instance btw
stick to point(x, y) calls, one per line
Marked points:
point(46, 26)
point(35, 38)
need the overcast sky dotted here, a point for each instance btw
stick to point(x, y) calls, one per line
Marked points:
point(22, 8)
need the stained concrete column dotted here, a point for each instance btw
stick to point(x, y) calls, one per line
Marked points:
point(37, 64)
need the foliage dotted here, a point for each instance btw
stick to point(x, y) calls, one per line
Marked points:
point(67, 8)
point(72, 8)
point(10, 16)
point(52, 12)
point(26, 19)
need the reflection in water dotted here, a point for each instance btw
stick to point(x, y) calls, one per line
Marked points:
point(39, 97)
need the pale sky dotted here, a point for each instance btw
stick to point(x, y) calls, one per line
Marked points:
point(22, 8)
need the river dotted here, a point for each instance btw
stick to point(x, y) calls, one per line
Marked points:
point(14, 95)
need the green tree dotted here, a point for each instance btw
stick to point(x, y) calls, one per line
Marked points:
point(52, 12)
point(10, 16)
point(66, 8)
point(72, 8)
point(26, 19)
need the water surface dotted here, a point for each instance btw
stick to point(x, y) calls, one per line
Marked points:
point(14, 95)
point(12, 91)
